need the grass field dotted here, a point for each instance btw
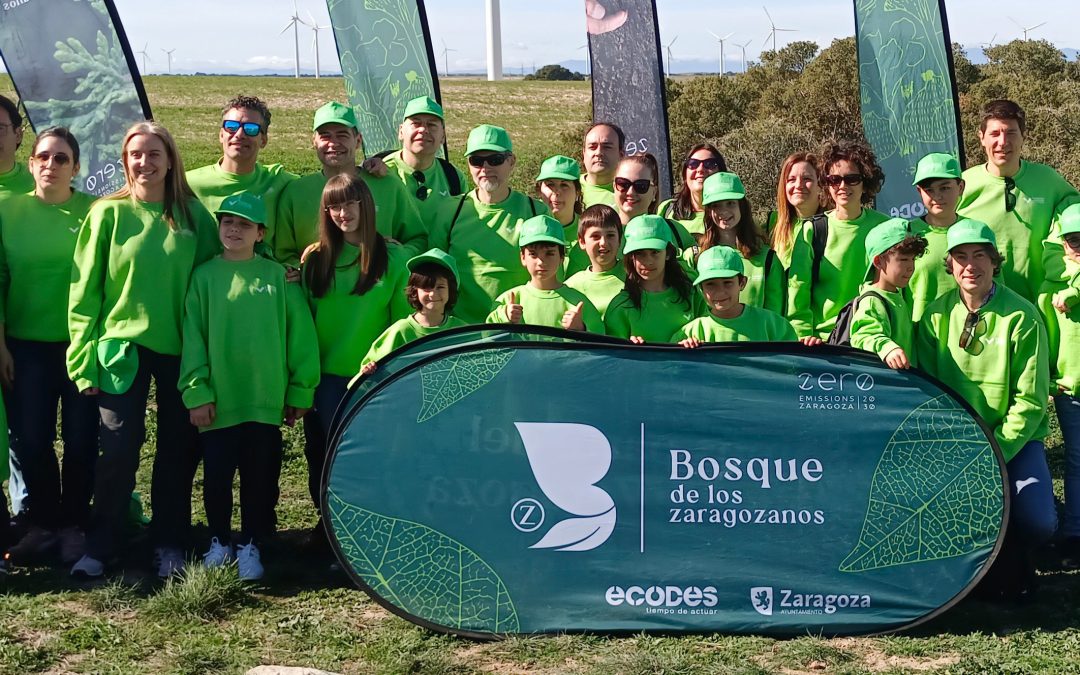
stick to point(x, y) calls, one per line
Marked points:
point(305, 614)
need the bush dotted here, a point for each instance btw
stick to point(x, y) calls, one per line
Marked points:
point(555, 72)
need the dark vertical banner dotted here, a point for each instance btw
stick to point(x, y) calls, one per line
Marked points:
point(907, 91)
point(628, 86)
point(386, 60)
point(72, 66)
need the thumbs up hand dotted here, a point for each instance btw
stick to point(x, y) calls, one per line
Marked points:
point(513, 309)
point(572, 320)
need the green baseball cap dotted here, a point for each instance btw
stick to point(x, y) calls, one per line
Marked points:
point(559, 167)
point(719, 262)
point(937, 165)
point(541, 229)
point(245, 205)
point(883, 237)
point(1070, 220)
point(118, 362)
point(423, 105)
point(335, 113)
point(721, 186)
point(488, 137)
point(438, 257)
point(646, 232)
point(968, 231)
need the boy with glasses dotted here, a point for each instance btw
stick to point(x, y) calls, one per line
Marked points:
point(15, 178)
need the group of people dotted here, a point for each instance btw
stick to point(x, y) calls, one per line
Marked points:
point(252, 296)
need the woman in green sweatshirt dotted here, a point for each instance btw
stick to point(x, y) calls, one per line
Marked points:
point(133, 260)
point(798, 199)
point(37, 242)
point(702, 161)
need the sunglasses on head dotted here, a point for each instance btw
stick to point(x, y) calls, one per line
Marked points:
point(494, 159)
point(640, 186)
point(834, 180)
point(250, 128)
point(710, 164)
point(58, 158)
point(1010, 196)
point(421, 191)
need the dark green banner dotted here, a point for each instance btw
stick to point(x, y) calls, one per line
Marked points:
point(487, 482)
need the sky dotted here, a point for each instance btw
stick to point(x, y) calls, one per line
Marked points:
point(212, 36)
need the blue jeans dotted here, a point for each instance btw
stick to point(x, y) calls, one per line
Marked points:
point(1068, 413)
point(331, 389)
point(1033, 516)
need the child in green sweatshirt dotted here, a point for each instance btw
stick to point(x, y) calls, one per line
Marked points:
point(599, 235)
point(938, 180)
point(881, 320)
point(545, 301)
point(237, 394)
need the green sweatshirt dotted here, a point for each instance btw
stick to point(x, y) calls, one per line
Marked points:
point(248, 340)
point(880, 329)
point(396, 216)
point(37, 243)
point(212, 185)
point(1063, 332)
point(4, 469)
point(599, 287)
point(18, 181)
point(694, 225)
point(930, 279)
point(129, 279)
point(1041, 195)
point(753, 325)
point(348, 324)
point(843, 269)
point(660, 316)
point(597, 194)
point(546, 308)
point(402, 332)
point(484, 241)
point(1004, 373)
point(436, 186)
point(576, 257)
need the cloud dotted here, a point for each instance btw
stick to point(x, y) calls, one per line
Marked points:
point(268, 61)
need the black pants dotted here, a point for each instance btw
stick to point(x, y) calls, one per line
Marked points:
point(328, 395)
point(123, 431)
point(255, 450)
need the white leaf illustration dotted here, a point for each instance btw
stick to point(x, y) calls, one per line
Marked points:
point(579, 534)
point(567, 460)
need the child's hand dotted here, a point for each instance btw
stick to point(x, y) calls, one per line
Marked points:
point(811, 341)
point(637, 339)
point(368, 368)
point(690, 343)
point(7, 367)
point(292, 274)
point(1059, 303)
point(293, 414)
point(897, 359)
point(513, 310)
point(571, 319)
point(308, 251)
point(375, 166)
point(203, 416)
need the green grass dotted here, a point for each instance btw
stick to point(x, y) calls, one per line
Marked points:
point(303, 614)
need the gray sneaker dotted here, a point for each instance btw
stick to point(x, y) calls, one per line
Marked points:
point(88, 568)
point(169, 561)
point(72, 544)
point(247, 560)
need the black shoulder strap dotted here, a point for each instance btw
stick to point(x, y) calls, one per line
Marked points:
point(820, 223)
point(453, 221)
point(675, 235)
point(532, 204)
point(667, 209)
point(879, 296)
point(451, 174)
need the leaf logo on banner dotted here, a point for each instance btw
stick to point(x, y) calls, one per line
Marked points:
point(422, 571)
point(936, 492)
point(567, 461)
point(450, 380)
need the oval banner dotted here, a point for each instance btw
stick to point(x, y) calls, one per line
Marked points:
point(495, 481)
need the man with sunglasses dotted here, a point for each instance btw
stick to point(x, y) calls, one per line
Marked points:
point(15, 178)
point(1019, 199)
point(245, 123)
point(603, 148)
point(480, 228)
point(990, 345)
point(337, 140)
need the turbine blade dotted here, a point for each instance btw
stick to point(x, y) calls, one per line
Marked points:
point(1038, 26)
point(727, 36)
point(767, 14)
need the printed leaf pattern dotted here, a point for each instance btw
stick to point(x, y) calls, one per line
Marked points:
point(449, 380)
point(579, 534)
point(936, 492)
point(422, 571)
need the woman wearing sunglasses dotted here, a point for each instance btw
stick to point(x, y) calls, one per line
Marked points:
point(835, 271)
point(559, 186)
point(702, 161)
point(37, 241)
point(989, 344)
point(637, 193)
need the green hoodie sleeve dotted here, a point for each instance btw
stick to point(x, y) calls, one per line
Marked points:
point(871, 328)
point(195, 387)
point(800, 290)
point(301, 356)
point(774, 285)
point(1030, 374)
point(86, 297)
point(5, 278)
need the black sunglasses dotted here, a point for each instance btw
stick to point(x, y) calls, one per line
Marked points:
point(421, 191)
point(834, 180)
point(970, 324)
point(494, 159)
point(58, 158)
point(641, 186)
point(250, 128)
point(1073, 240)
point(710, 164)
point(1010, 196)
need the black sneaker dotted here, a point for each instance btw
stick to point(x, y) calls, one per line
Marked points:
point(1069, 550)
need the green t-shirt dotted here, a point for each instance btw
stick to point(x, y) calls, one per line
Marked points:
point(37, 245)
point(402, 332)
point(600, 287)
point(1063, 331)
point(436, 186)
point(396, 216)
point(764, 280)
point(17, 181)
point(930, 278)
point(248, 338)
point(754, 324)
point(597, 194)
point(660, 316)
point(484, 241)
point(212, 184)
point(694, 225)
point(129, 279)
point(576, 257)
point(1041, 195)
point(546, 308)
point(1005, 371)
point(880, 329)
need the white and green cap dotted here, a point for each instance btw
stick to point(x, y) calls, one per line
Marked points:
point(541, 229)
point(937, 165)
point(245, 205)
point(646, 232)
point(335, 113)
point(559, 167)
point(719, 262)
point(423, 105)
point(438, 257)
point(721, 187)
point(1070, 220)
point(488, 137)
point(968, 231)
point(882, 237)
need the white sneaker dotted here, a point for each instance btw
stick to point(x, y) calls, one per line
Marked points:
point(247, 559)
point(72, 544)
point(88, 568)
point(169, 561)
point(218, 555)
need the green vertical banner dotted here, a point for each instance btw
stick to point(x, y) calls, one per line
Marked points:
point(386, 59)
point(907, 90)
point(498, 480)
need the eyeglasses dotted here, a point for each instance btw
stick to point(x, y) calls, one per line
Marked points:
point(834, 180)
point(494, 159)
point(342, 207)
point(1010, 196)
point(1073, 240)
point(641, 186)
point(421, 191)
point(58, 158)
point(250, 128)
point(710, 164)
point(970, 324)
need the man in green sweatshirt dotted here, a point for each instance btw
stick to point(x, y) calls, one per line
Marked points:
point(989, 344)
point(603, 148)
point(245, 125)
point(336, 139)
point(14, 176)
point(1019, 200)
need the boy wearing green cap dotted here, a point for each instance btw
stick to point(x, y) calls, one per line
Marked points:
point(600, 237)
point(238, 395)
point(940, 185)
point(336, 139)
point(721, 278)
point(881, 319)
point(544, 300)
point(989, 344)
point(558, 186)
point(480, 229)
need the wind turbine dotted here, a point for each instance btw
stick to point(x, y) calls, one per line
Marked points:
point(988, 45)
point(446, 61)
point(169, 53)
point(721, 41)
point(743, 46)
point(588, 60)
point(145, 58)
point(670, 59)
point(1027, 29)
point(314, 26)
point(294, 23)
point(494, 41)
point(773, 30)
